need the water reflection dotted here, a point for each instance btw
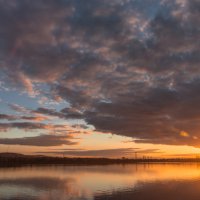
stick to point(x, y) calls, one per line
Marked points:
point(138, 182)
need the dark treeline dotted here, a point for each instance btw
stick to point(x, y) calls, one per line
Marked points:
point(22, 160)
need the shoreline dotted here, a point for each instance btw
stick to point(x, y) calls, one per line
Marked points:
point(17, 160)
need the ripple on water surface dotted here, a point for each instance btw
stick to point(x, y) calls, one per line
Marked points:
point(113, 182)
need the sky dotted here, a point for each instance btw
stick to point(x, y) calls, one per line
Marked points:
point(99, 78)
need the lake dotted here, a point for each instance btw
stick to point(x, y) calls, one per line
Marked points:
point(109, 182)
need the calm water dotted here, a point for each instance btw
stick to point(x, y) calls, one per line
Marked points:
point(134, 182)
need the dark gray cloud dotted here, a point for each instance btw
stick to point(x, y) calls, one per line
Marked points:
point(23, 125)
point(7, 117)
point(67, 113)
point(102, 152)
point(42, 140)
point(126, 67)
point(16, 117)
point(35, 124)
point(31, 126)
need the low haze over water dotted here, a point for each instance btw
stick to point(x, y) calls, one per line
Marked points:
point(114, 182)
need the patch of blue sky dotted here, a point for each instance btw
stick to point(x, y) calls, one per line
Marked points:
point(19, 133)
point(14, 97)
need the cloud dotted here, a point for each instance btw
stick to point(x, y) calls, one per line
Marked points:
point(16, 117)
point(36, 125)
point(67, 113)
point(103, 152)
point(42, 140)
point(31, 126)
point(126, 67)
point(23, 125)
point(34, 118)
point(18, 108)
point(7, 117)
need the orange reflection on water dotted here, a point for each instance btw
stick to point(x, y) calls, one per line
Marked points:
point(84, 182)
